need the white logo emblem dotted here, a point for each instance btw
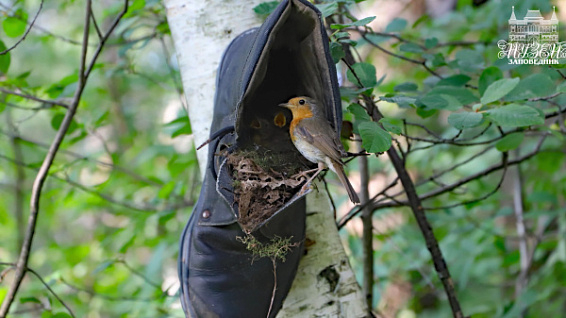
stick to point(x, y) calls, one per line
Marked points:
point(532, 40)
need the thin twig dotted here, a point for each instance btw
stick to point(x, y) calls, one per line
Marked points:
point(31, 97)
point(481, 198)
point(434, 193)
point(404, 58)
point(138, 273)
point(27, 269)
point(104, 196)
point(86, 158)
point(51, 291)
point(96, 28)
point(26, 32)
point(359, 208)
point(274, 261)
point(93, 293)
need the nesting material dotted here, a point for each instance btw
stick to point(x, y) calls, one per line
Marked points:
point(262, 186)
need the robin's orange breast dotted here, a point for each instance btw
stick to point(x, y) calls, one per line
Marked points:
point(299, 114)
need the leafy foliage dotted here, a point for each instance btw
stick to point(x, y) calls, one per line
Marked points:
point(121, 189)
point(459, 116)
point(123, 184)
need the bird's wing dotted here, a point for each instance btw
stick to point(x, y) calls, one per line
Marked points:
point(322, 137)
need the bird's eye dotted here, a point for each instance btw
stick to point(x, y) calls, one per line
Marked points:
point(301, 102)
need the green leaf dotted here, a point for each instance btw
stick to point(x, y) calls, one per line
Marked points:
point(374, 138)
point(499, 89)
point(359, 112)
point(265, 8)
point(535, 85)
point(454, 80)
point(336, 51)
point(396, 25)
point(4, 59)
point(24, 300)
point(437, 60)
point(469, 60)
point(434, 101)
point(510, 142)
point(441, 101)
point(342, 35)
point(463, 95)
point(515, 115)
point(14, 27)
point(61, 315)
point(410, 48)
point(360, 22)
point(183, 130)
point(402, 101)
point(347, 93)
point(392, 125)
point(465, 120)
point(425, 113)
point(561, 88)
point(135, 6)
point(365, 72)
point(327, 9)
point(181, 126)
point(375, 38)
point(58, 119)
point(363, 21)
point(488, 76)
point(102, 267)
point(405, 87)
point(430, 43)
point(166, 190)
point(420, 20)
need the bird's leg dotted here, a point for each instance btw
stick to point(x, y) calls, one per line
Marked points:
point(318, 170)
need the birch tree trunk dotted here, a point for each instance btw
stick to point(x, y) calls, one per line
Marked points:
point(325, 285)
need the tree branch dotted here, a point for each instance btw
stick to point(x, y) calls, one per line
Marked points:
point(367, 235)
point(414, 201)
point(47, 162)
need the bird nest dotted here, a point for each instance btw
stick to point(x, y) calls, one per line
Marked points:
point(263, 182)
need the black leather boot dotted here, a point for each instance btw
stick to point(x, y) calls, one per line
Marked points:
point(220, 272)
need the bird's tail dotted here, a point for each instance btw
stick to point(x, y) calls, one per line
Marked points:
point(337, 167)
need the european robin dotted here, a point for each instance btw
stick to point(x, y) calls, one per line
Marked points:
point(315, 139)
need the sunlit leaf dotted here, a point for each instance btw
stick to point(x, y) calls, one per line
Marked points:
point(465, 120)
point(374, 138)
point(365, 75)
point(515, 115)
point(498, 89)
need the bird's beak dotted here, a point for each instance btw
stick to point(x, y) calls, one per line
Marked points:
point(286, 105)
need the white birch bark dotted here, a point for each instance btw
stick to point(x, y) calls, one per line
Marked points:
point(201, 31)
